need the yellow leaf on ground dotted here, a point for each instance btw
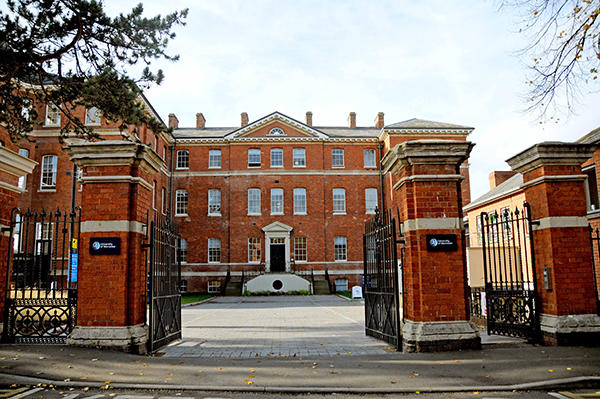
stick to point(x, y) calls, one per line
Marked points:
point(249, 382)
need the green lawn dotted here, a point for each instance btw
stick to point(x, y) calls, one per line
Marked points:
point(189, 298)
point(347, 294)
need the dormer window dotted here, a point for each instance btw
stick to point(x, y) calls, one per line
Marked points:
point(276, 132)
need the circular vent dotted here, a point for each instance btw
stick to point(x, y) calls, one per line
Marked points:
point(277, 285)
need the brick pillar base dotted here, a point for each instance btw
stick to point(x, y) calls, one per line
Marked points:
point(426, 177)
point(111, 289)
point(12, 166)
point(554, 187)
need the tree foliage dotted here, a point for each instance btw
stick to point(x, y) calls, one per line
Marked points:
point(71, 53)
point(564, 51)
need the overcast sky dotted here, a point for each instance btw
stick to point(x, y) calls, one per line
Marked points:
point(448, 61)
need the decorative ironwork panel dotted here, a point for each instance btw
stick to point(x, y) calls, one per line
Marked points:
point(381, 279)
point(164, 283)
point(41, 286)
point(509, 273)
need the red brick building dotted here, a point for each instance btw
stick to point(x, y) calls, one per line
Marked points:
point(280, 195)
point(273, 195)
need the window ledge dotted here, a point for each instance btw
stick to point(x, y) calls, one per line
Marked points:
point(594, 213)
point(254, 262)
point(370, 213)
point(278, 167)
point(93, 124)
point(370, 167)
point(47, 190)
point(300, 213)
point(277, 213)
point(341, 260)
point(253, 167)
point(337, 167)
point(340, 213)
point(255, 214)
point(181, 215)
point(215, 214)
point(188, 168)
point(299, 166)
point(213, 167)
point(301, 261)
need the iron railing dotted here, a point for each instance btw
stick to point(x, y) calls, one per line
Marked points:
point(41, 284)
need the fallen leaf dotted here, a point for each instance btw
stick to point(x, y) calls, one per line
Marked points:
point(93, 360)
point(69, 366)
point(475, 393)
point(67, 380)
point(249, 382)
point(104, 387)
point(83, 378)
point(86, 389)
point(41, 358)
point(112, 394)
point(252, 370)
point(569, 368)
point(551, 371)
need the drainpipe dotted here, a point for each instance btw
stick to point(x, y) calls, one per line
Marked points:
point(381, 196)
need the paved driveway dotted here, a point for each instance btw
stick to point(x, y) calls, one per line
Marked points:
point(250, 327)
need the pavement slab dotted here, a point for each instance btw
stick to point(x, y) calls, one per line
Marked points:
point(280, 361)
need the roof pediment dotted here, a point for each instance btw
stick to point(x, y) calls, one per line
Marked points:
point(277, 227)
point(275, 125)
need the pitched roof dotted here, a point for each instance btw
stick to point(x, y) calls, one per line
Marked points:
point(342, 131)
point(591, 138)
point(416, 123)
point(510, 185)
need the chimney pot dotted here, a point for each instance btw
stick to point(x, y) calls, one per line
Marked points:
point(379, 123)
point(173, 121)
point(309, 118)
point(200, 121)
point(352, 120)
point(244, 119)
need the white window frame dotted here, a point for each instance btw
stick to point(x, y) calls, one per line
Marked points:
point(91, 121)
point(300, 201)
point(213, 287)
point(45, 173)
point(298, 249)
point(183, 159)
point(254, 246)
point(214, 206)
point(254, 201)
point(181, 208)
point(342, 285)
point(53, 115)
point(370, 201)
point(340, 249)
point(276, 155)
point(339, 203)
point(22, 183)
point(164, 153)
point(183, 246)
point(337, 154)
point(252, 153)
point(215, 256)
point(368, 158)
point(154, 194)
point(163, 201)
point(214, 159)
point(299, 158)
point(275, 194)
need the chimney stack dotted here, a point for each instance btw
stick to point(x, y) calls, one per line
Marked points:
point(379, 120)
point(244, 119)
point(498, 177)
point(309, 118)
point(200, 121)
point(173, 121)
point(352, 120)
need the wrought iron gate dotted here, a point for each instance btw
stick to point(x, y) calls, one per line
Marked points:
point(41, 284)
point(163, 283)
point(381, 285)
point(509, 273)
